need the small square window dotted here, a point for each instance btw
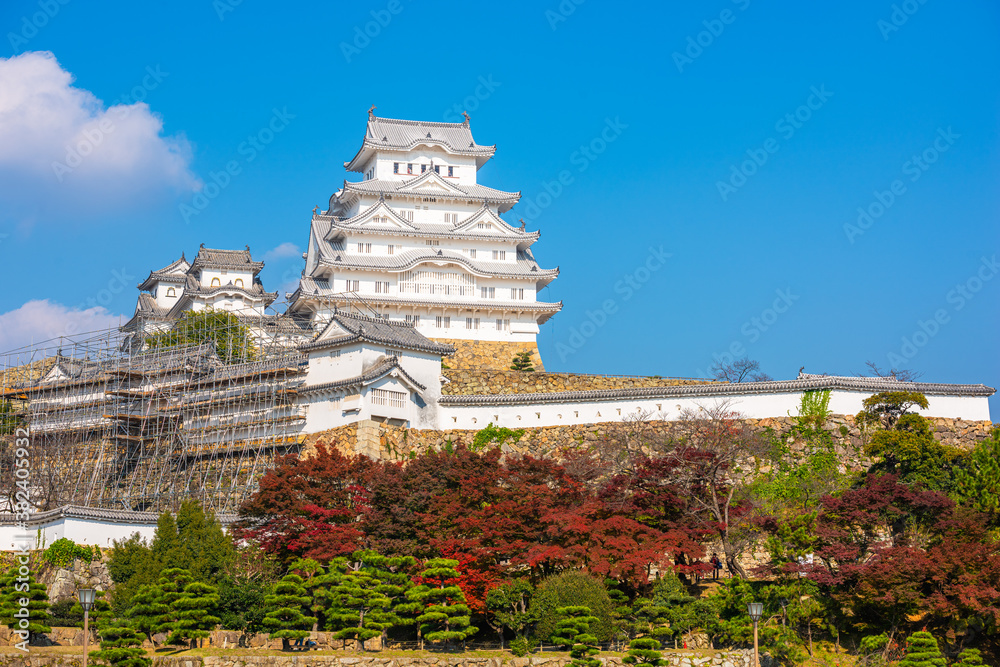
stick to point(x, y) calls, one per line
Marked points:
point(451, 171)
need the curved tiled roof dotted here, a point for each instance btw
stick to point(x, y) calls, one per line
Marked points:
point(403, 135)
point(523, 267)
point(872, 385)
point(426, 230)
point(374, 330)
point(172, 273)
point(468, 191)
point(98, 514)
point(214, 258)
point(374, 373)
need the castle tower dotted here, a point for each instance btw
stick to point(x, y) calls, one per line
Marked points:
point(419, 240)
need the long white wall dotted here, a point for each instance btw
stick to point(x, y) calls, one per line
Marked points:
point(972, 408)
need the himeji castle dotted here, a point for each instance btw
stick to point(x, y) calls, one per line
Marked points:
point(414, 298)
point(419, 240)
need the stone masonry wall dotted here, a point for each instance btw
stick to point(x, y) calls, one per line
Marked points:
point(488, 354)
point(708, 658)
point(480, 381)
point(396, 442)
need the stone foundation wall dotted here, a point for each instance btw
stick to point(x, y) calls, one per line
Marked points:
point(479, 381)
point(707, 658)
point(488, 354)
point(395, 442)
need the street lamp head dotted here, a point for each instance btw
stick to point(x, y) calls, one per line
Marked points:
point(756, 610)
point(87, 596)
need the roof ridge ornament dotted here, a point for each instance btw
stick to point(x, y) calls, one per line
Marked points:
point(466, 114)
point(371, 112)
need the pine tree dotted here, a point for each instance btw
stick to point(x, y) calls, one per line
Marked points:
point(121, 646)
point(644, 651)
point(443, 614)
point(148, 611)
point(364, 591)
point(970, 657)
point(288, 606)
point(922, 651)
point(194, 611)
point(15, 586)
point(315, 583)
point(573, 631)
point(522, 362)
point(170, 589)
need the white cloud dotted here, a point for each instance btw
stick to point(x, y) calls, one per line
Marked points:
point(64, 155)
point(282, 251)
point(42, 320)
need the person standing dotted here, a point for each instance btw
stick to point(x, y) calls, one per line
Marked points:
point(716, 566)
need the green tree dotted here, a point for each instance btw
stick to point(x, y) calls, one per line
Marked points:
point(131, 566)
point(922, 651)
point(313, 582)
point(194, 613)
point(977, 481)
point(289, 606)
point(168, 590)
point(509, 606)
point(644, 651)
point(15, 587)
point(573, 631)
point(121, 646)
point(365, 591)
point(572, 588)
point(231, 339)
point(147, 611)
point(443, 614)
point(494, 436)
point(522, 362)
point(241, 604)
point(970, 657)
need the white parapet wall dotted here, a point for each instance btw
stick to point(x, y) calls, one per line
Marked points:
point(754, 400)
point(82, 525)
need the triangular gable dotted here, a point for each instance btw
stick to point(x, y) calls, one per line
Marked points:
point(377, 216)
point(485, 214)
point(333, 331)
point(431, 181)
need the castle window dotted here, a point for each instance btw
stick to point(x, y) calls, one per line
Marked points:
point(433, 242)
point(471, 322)
point(472, 253)
point(517, 293)
point(390, 249)
point(488, 292)
point(500, 254)
point(381, 287)
point(216, 282)
point(239, 282)
point(395, 167)
point(482, 225)
point(352, 285)
point(423, 168)
point(413, 319)
point(408, 215)
point(388, 398)
point(451, 172)
point(409, 168)
point(437, 169)
point(171, 291)
point(364, 247)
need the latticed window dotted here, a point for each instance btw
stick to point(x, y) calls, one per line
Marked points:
point(388, 398)
point(447, 283)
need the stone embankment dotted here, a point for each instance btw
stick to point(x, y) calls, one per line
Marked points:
point(488, 354)
point(396, 442)
point(722, 658)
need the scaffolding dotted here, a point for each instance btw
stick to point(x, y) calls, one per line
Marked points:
point(116, 429)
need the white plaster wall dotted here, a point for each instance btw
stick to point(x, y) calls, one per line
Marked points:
point(81, 531)
point(753, 406)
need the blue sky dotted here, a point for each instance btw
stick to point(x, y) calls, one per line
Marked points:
point(739, 138)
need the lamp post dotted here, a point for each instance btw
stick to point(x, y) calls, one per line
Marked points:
point(756, 610)
point(87, 596)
